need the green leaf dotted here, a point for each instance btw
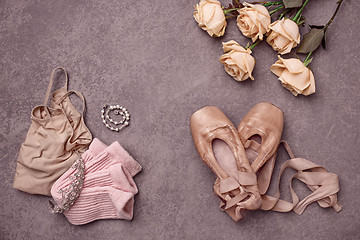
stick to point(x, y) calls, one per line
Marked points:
point(323, 41)
point(311, 40)
point(316, 26)
point(292, 3)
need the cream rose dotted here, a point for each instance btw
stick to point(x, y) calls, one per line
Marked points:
point(294, 76)
point(211, 17)
point(283, 35)
point(237, 60)
point(253, 21)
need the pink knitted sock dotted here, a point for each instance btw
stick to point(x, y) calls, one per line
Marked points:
point(97, 158)
point(117, 152)
point(115, 176)
point(100, 157)
point(108, 188)
point(101, 203)
point(112, 196)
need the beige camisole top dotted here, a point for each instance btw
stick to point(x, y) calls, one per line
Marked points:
point(56, 138)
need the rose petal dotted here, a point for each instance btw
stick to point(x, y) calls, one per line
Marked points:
point(290, 88)
point(293, 65)
point(232, 45)
point(280, 42)
point(277, 68)
point(299, 80)
point(311, 88)
point(292, 29)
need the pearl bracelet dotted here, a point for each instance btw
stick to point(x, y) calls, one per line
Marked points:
point(118, 110)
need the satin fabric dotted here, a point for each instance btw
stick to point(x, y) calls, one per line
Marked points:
point(237, 189)
point(56, 137)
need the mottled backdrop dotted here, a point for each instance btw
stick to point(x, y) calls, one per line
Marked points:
point(151, 57)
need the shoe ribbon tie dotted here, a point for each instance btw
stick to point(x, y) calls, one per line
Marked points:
point(323, 184)
point(233, 191)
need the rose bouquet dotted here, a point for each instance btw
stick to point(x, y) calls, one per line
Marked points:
point(254, 21)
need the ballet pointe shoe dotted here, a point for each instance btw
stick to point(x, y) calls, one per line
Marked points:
point(219, 146)
point(260, 132)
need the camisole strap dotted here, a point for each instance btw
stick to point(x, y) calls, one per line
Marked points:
point(51, 83)
point(68, 94)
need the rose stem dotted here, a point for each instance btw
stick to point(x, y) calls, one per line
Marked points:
point(298, 22)
point(276, 9)
point(301, 22)
point(227, 11)
point(253, 45)
point(300, 10)
point(272, 3)
point(306, 59)
point(333, 16)
point(283, 13)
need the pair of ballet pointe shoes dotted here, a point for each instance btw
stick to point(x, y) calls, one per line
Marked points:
point(243, 160)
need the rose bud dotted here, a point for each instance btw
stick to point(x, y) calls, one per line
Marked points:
point(294, 76)
point(211, 17)
point(253, 21)
point(283, 35)
point(237, 61)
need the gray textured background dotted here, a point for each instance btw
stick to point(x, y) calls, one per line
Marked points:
point(151, 57)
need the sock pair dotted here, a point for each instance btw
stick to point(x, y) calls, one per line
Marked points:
point(105, 184)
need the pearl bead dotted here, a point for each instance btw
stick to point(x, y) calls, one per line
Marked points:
point(117, 110)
